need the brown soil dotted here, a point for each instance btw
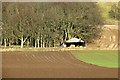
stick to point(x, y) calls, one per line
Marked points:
point(51, 64)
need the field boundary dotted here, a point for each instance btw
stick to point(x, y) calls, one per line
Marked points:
point(51, 49)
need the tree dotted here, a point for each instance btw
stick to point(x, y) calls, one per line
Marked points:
point(81, 19)
point(48, 24)
point(115, 11)
point(7, 29)
point(21, 19)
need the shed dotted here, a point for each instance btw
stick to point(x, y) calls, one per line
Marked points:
point(74, 41)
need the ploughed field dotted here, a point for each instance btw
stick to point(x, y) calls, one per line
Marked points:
point(50, 64)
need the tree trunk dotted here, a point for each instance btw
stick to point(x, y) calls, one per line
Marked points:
point(53, 43)
point(68, 31)
point(28, 43)
point(35, 44)
point(1, 41)
point(9, 44)
point(41, 42)
point(22, 42)
point(38, 41)
point(47, 43)
point(5, 43)
point(66, 35)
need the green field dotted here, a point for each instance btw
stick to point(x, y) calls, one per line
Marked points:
point(104, 58)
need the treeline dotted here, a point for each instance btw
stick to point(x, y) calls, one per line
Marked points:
point(49, 24)
point(114, 13)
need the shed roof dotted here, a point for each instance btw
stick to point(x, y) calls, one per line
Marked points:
point(73, 40)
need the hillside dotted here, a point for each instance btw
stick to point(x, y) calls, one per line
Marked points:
point(108, 39)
